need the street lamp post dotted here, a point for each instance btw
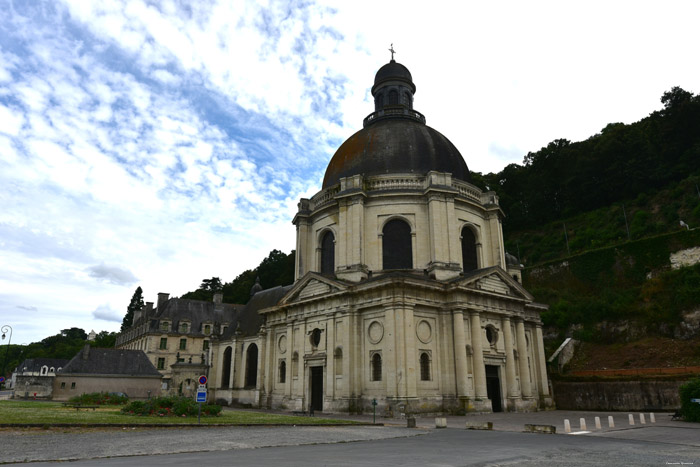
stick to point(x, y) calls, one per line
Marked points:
point(5, 329)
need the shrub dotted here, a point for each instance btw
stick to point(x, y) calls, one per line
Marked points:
point(100, 398)
point(690, 410)
point(170, 406)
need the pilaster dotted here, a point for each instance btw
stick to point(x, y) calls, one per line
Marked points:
point(479, 369)
point(525, 385)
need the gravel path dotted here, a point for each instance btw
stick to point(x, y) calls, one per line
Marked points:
point(72, 444)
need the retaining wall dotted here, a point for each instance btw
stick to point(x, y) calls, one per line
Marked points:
point(617, 395)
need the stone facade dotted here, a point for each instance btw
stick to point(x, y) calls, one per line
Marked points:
point(178, 337)
point(403, 293)
point(108, 370)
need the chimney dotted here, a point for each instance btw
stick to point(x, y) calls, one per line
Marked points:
point(162, 298)
point(86, 352)
point(138, 314)
point(218, 297)
point(149, 309)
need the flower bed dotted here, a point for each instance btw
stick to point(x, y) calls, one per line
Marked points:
point(169, 407)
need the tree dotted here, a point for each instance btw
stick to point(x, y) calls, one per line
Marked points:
point(212, 285)
point(105, 340)
point(135, 304)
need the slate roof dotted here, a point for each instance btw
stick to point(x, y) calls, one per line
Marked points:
point(35, 364)
point(196, 312)
point(248, 320)
point(110, 362)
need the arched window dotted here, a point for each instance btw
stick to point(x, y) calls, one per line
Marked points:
point(328, 253)
point(379, 101)
point(44, 370)
point(397, 251)
point(393, 97)
point(424, 367)
point(251, 366)
point(376, 367)
point(283, 371)
point(226, 368)
point(468, 250)
point(407, 100)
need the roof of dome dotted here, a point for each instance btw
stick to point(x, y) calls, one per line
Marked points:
point(395, 145)
point(395, 71)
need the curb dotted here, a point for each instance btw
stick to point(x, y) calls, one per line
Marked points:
point(174, 425)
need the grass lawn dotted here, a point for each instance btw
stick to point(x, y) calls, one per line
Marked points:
point(50, 413)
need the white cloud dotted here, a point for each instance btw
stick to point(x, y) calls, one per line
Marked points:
point(112, 274)
point(106, 313)
point(170, 142)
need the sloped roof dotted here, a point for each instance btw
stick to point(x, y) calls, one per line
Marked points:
point(95, 361)
point(35, 364)
point(196, 312)
point(248, 320)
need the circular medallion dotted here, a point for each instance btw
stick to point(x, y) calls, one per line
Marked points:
point(375, 332)
point(282, 344)
point(424, 332)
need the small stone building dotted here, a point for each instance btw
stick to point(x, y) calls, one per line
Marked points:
point(108, 370)
point(34, 377)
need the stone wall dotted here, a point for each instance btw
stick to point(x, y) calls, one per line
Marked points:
point(617, 395)
point(28, 386)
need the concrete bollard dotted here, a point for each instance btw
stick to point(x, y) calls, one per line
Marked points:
point(410, 422)
point(549, 429)
point(652, 418)
point(440, 422)
point(597, 423)
point(642, 420)
point(582, 423)
point(479, 426)
point(567, 426)
point(611, 422)
point(631, 419)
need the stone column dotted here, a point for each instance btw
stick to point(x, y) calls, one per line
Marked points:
point(525, 386)
point(330, 358)
point(409, 337)
point(389, 367)
point(479, 369)
point(511, 384)
point(541, 362)
point(289, 353)
point(234, 364)
point(460, 349)
point(301, 221)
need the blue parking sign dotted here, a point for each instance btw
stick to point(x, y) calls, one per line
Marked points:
point(201, 396)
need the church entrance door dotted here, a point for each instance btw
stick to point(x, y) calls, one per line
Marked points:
point(316, 388)
point(493, 387)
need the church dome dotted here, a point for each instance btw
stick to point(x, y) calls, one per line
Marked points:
point(395, 138)
point(393, 71)
point(395, 145)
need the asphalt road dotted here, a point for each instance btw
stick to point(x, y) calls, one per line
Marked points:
point(446, 447)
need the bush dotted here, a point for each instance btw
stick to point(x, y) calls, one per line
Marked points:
point(690, 410)
point(170, 406)
point(100, 398)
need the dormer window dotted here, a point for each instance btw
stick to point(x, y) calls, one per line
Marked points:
point(207, 329)
point(184, 328)
point(164, 326)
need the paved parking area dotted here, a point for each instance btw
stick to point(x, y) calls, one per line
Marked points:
point(74, 444)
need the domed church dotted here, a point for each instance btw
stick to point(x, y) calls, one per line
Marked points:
point(403, 291)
